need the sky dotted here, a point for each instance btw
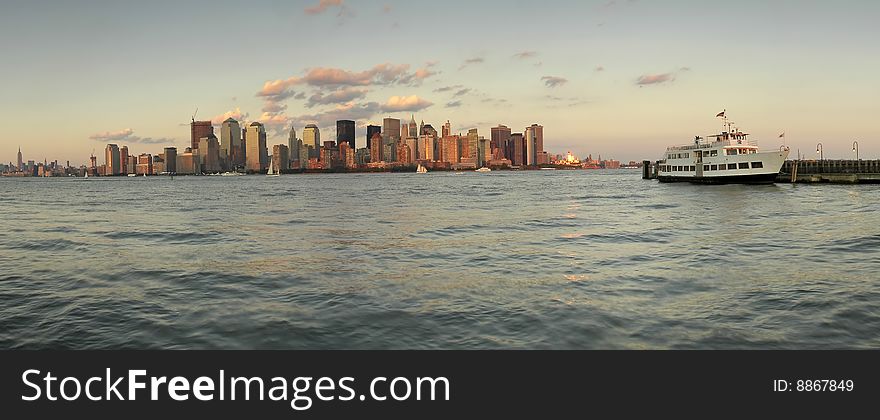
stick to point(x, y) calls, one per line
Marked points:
point(622, 79)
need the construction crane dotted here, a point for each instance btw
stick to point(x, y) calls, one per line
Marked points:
point(194, 114)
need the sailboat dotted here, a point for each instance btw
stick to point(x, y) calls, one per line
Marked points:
point(273, 171)
point(421, 169)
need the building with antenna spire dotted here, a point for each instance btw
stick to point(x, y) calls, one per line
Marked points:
point(20, 160)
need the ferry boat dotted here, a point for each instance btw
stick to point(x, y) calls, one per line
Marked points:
point(725, 158)
point(484, 169)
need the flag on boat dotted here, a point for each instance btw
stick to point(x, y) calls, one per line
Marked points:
point(721, 114)
point(782, 135)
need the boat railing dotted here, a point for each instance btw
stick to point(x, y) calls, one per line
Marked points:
point(720, 143)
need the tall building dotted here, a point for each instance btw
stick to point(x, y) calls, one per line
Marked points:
point(473, 138)
point(390, 137)
point(376, 148)
point(371, 131)
point(413, 128)
point(293, 144)
point(534, 138)
point(449, 149)
point(20, 166)
point(171, 160)
point(312, 139)
point(230, 143)
point(111, 160)
point(500, 140)
point(281, 157)
point(199, 129)
point(257, 154)
point(145, 164)
point(446, 130)
point(123, 160)
point(345, 133)
point(517, 149)
point(209, 154)
point(426, 147)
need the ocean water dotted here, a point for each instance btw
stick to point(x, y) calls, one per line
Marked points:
point(524, 260)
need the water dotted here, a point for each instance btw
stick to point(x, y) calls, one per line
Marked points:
point(543, 259)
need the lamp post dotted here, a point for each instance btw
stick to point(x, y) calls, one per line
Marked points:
point(821, 155)
point(856, 149)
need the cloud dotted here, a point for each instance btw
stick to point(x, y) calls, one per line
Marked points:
point(274, 107)
point(525, 54)
point(448, 88)
point(325, 77)
point(471, 61)
point(685, 69)
point(654, 79)
point(322, 6)
point(341, 96)
point(600, 68)
point(235, 114)
point(454, 104)
point(405, 103)
point(127, 135)
point(462, 92)
point(350, 111)
point(113, 135)
point(554, 81)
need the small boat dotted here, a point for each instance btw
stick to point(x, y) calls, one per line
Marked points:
point(484, 169)
point(132, 174)
point(231, 174)
point(421, 169)
point(273, 171)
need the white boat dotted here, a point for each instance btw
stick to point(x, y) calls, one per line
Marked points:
point(231, 174)
point(421, 169)
point(726, 158)
point(273, 171)
point(484, 169)
point(132, 174)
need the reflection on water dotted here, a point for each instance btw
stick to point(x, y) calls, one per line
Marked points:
point(543, 259)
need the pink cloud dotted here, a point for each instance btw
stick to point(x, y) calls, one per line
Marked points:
point(322, 6)
point(235, 114)
point(405, 103)
point(654, 79)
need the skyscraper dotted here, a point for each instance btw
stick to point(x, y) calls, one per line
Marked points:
point(230, 143)
point(390, 137)
point(111, 160)
point(293, 144)
point(209, 154)
point(257, 154)
point(446, 131)
point(345, 133)
point(281, 157)
point(199, 129)
point(534, 138)
point(123, 160)
point(413, 128)
point(312, 139)
point(371, 130)
point(20, 160)
point(516, 149)
point(171, 160)
point(500, 140)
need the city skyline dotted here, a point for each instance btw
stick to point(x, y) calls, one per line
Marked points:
point(620, 78)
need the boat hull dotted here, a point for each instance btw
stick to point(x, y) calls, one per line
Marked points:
point(732, 179)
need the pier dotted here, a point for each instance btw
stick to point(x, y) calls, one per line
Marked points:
point(830, 171)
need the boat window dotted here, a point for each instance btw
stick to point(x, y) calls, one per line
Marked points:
point(714, 168)
point(744, 165)
point(693, 168)
point(713, 153)
point(731, 152)
point(731, 166)
point(705, 167)
point(757, 165)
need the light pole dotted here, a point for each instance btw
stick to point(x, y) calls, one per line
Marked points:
point(856, 149)
point(819, 151)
